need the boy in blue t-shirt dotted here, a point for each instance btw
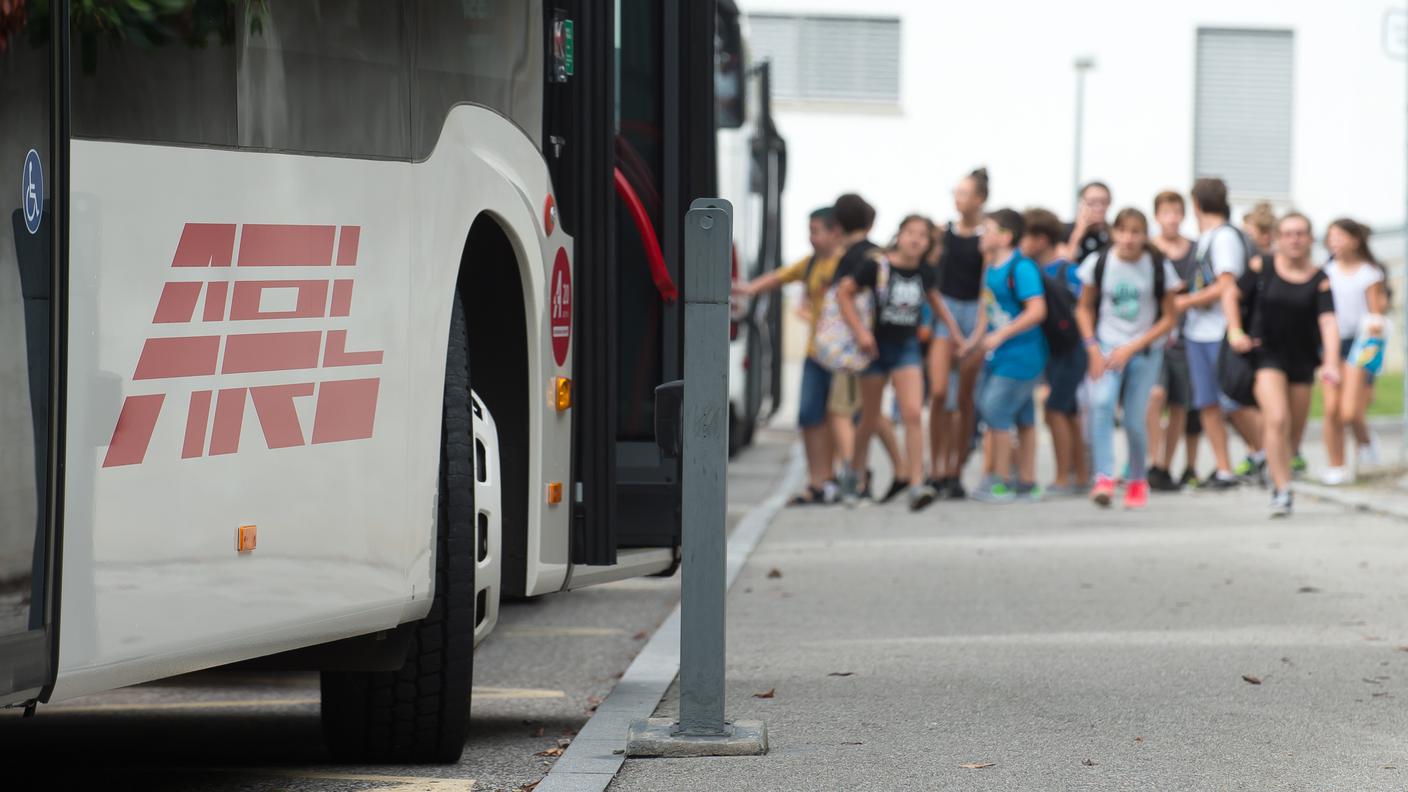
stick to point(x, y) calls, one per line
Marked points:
point(1015, 301)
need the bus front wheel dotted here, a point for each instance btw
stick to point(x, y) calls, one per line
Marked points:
point(420, 713)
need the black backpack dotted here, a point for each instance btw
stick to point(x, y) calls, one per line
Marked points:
point(1059, 326)
point(1156, 257)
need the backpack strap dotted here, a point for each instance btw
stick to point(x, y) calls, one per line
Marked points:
point(1099, 283)
point(1159, 286)
point(807, 275)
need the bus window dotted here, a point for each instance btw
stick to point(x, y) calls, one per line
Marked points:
point(323, 76)
point(488, 53)
point(728, 70)
point(26, 238)
point(165, 76)
point(639, 155)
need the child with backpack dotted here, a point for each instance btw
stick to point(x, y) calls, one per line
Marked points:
point(1014, 297)
point(901, 284)
point(1126, 308)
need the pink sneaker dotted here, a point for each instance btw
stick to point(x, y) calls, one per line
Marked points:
point(1136, 494)
point(1104, 491)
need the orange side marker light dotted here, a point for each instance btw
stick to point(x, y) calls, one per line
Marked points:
point(554, 493)
point(563, 394)
point(244, 538)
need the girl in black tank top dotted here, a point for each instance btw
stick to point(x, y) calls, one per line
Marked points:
point(960, 266)
point(1286, 317)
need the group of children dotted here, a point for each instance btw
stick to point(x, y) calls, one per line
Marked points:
point(1161, 335)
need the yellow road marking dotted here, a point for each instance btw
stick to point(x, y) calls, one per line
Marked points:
point(480, 693)
point(554, 632)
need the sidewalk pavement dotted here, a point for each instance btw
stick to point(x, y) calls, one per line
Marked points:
point(1052, 646)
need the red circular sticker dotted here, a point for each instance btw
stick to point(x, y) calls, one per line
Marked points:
point(560, 306)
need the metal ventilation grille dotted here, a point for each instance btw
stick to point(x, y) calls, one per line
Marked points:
point(829, 58)
point(1242, 131)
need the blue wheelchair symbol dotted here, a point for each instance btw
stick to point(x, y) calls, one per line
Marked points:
point(32, 191)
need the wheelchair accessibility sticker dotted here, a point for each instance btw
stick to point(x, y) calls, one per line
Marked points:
point(32, 191)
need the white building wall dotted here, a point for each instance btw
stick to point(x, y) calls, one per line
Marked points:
point(993, 84)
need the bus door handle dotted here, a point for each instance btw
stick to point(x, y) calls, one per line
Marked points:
point(654, 258)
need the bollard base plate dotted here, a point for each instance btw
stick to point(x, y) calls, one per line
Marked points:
point(656, 737)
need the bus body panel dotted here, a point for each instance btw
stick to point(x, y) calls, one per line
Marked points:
point(508, 179)
point(154, 585)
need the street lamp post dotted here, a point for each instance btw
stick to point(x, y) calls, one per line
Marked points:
point(1082, 65)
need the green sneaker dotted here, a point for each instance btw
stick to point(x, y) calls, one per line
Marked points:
point(998, 492)
point(1299, 465)
point(1244, 468)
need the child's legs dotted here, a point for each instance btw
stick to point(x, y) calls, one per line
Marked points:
point(909, 395)
point(872, 391)
point(1272, 397)
point(1141, 374)
point(1104, 395)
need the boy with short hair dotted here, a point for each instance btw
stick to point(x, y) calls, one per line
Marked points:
point(1221, 256)
point(1173, 389)
point(1015, 301)
point(816, 272)
point(1064, 373)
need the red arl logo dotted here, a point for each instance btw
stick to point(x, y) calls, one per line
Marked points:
point(345, 409)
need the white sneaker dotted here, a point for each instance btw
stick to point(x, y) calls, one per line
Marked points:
point(1336, 476)
point(1369, 453)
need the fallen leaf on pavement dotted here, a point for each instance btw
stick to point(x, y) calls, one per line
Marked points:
point(842, 673)
point(1403, 648)
point(853, 743)
point(640, 636)
point(1139, 739)
point(1089, 762)
point(550, 752)
point(975, 765)
point(769, 693)
point(1307, 590)
point(1251, 679)
point(530, 786)
point(774, 573)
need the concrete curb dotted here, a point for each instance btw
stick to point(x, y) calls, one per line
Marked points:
point(590, 763)
point(1361, 500)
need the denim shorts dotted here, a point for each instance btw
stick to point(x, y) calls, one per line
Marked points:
point(1064, 375)
point(815, 393)
point(965, 312)
point(1004, 402)
point(894, 355)
point(1202, 376)
point(1346, 345)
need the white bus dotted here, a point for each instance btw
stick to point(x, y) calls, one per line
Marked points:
point(752, 164)
point(325, 325)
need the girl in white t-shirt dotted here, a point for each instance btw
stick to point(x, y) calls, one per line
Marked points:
point(1361, 299)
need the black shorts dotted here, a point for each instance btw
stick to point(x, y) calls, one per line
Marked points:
point(1299, 368)
point(1174, 377)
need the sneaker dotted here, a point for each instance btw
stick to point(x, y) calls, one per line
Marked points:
point(954, 490)
point(1161, 481)
point(1220, 481)
point(1252, 470)
point(920, 497)
point(849, 493)
point(1188, 479)
point(1103, 492)
point(1281, 503)
point(997, 492)
point(1299, 464)
point(831, 492)
point(1029, 491)
point(1336, 476)
point(1136, 495)
point(896, 487)
point(1369, 452)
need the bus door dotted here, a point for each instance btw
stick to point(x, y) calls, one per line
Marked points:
point(629, 138)
point(30, 181)
point(769, 180)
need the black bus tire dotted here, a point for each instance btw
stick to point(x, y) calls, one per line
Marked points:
point(420, 713)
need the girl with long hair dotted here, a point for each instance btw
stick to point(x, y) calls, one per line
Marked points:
point(1359, 284)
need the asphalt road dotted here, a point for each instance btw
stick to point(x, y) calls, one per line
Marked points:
point(537, 679)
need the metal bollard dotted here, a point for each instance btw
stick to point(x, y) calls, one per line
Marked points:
point(702, 729)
